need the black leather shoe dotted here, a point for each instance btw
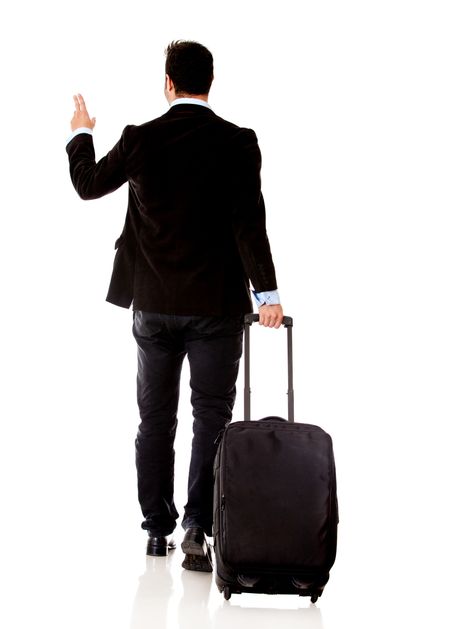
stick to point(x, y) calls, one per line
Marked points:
point(197, 551)
point(159, 546)
point(194, 542)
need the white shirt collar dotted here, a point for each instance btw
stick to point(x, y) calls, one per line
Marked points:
point(190, 101)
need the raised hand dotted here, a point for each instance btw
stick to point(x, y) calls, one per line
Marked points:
point(80, 115)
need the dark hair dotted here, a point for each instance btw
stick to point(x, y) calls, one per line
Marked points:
point(190, 66)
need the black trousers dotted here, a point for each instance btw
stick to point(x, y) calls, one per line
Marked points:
point(213, 346)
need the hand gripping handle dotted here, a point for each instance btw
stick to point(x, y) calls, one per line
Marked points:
point(254, 318)
point(288, 324)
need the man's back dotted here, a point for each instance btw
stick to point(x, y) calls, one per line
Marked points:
point(195, 216)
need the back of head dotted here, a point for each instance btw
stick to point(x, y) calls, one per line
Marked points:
point(190, 66)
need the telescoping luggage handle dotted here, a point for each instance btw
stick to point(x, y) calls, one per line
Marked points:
point(288, 323)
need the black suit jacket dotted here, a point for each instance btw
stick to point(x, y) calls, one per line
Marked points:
point(194, 231)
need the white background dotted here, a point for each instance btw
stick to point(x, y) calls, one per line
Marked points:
point(350, 102)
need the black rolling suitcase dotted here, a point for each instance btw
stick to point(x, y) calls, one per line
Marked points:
point(275, 503)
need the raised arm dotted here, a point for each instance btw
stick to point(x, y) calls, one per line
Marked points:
point(93, 179)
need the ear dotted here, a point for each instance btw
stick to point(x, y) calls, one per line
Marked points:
point(169, 83)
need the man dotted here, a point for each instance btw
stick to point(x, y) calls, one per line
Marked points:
point(194, 236)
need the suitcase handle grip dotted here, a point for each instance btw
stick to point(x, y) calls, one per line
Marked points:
point(254, 318)
point(288, 324)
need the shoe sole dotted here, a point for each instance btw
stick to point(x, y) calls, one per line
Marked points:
point(197, 564)
point(194, 548)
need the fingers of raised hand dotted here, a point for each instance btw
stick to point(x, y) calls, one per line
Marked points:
point(79, 102)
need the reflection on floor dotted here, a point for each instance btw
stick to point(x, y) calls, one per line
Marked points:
point(168, 596)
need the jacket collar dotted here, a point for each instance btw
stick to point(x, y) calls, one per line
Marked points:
point(189, 107)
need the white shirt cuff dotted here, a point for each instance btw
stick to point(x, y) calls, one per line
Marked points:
point(269, 297)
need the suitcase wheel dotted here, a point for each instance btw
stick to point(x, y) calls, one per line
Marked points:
point(227, 593)
point(314, 597)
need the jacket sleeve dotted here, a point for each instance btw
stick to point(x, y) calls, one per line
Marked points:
point(249, 216)
point(92, 180)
